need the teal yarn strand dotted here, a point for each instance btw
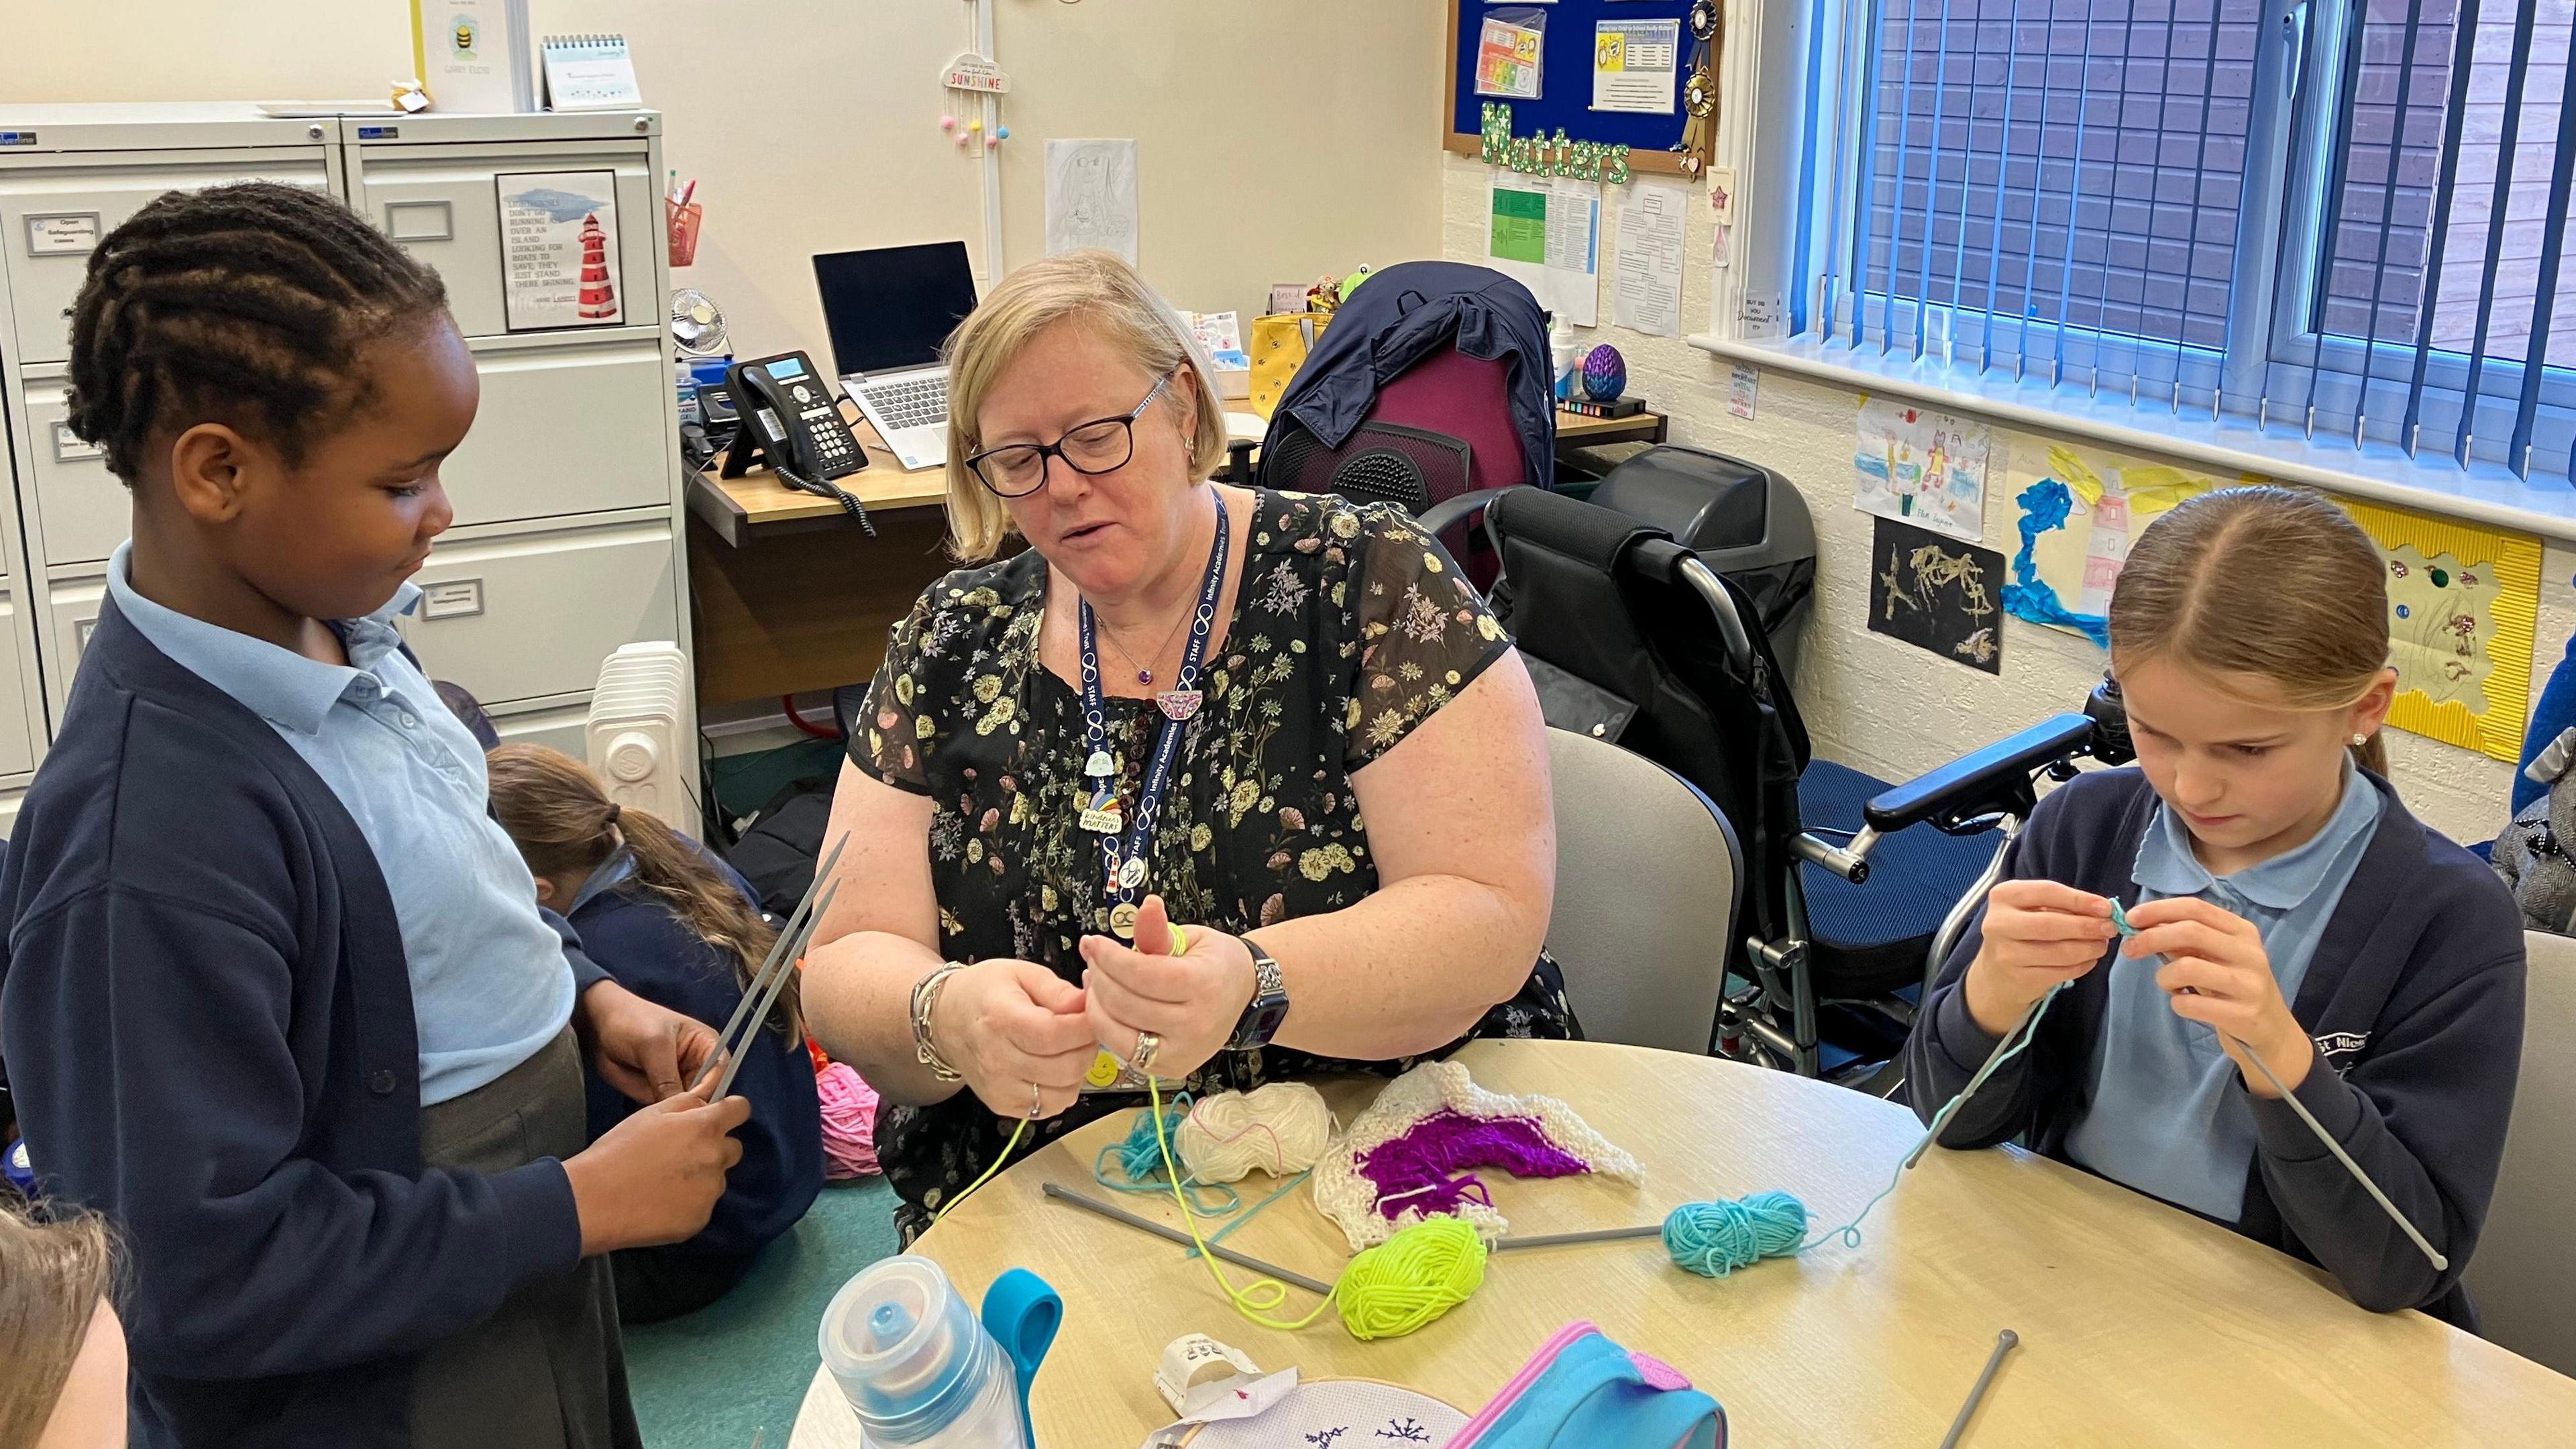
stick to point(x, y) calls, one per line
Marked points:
point(1714, 1239)
point(1140, 1159)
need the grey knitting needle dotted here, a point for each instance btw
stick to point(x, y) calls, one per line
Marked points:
point(1590, 1235)
point(1994, 1059)
point(738, 1051)
point(777, 952)
point(2440, 1263)
point(1065, 1194)
point(2004, 1343)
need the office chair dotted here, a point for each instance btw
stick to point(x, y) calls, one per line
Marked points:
point(1645, 896)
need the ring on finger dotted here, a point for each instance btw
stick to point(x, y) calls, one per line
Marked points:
point(1148, 1047)
point(1037, 1104)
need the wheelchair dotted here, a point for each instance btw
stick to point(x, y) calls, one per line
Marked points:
point(1632, 638)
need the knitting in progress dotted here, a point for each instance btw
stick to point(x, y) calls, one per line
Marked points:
point(1409, 1157)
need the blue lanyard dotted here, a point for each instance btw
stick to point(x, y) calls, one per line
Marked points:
point(1122, 861)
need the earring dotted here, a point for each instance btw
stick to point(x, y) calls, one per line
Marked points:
point(2359, 740)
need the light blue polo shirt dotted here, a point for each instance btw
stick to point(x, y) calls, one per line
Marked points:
point(2170, 1115)
point(489, 983)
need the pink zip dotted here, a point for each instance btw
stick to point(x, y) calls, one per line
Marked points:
point(1539, 1363)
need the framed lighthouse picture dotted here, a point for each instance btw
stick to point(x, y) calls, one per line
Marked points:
point(560, 263)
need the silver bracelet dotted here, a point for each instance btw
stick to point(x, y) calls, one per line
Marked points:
point(925, 1000)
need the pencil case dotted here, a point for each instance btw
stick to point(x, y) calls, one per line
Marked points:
point(1581, 1390)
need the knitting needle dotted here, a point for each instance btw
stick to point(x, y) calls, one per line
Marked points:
point(2120, 919)
point(777, 951)
point(2440, 1263)
point(1592, 1235)
point(2004, 1343)
point(1994, 1059)
point(740, 1051)
point(1064, 1194)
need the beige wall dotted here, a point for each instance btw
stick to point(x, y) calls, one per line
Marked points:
point(1255, 163)
point(1884, 706)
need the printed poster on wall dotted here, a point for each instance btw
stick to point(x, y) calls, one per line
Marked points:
point(1921, 467)
point(1544, 232)
point(2463, 601)
point(560, 263)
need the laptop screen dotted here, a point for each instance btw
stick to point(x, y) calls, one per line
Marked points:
point(891, 307)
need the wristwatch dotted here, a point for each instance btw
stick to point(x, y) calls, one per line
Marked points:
point(1269, 1005)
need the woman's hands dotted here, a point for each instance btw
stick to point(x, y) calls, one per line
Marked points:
point(2037, 934)
point(2217, 973)
point(1192, 1001)
point(1018, 1034)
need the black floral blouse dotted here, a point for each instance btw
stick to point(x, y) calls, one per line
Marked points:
point(1351, 626)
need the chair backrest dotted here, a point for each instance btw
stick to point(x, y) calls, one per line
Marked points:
point(1645, 896)
point(2524, 1275)
point(1411, 468)
point(1467, 398)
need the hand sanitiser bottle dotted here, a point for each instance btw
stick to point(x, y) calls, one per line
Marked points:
point(917, 1366)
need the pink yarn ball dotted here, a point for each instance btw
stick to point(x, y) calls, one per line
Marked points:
point(849, 1123)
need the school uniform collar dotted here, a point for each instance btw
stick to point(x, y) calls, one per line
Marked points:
point(2167, 865)
point(610, 874)
point(279, 685)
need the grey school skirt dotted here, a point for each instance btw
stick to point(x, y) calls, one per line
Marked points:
point(547, 1370)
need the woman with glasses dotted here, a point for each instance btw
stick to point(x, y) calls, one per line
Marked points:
point(1284, 723)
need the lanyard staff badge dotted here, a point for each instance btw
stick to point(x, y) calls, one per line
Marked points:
point(1123, 846)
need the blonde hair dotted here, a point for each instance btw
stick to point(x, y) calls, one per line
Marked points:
point(53, 1276)
point(2267, 581)
point(1105, 295)
point(555, 812)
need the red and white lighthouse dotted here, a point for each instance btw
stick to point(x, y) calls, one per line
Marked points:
point(598, 298)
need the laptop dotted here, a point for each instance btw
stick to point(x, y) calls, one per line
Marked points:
point(889, 309)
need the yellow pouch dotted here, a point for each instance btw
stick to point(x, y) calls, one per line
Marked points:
point(1280, 342)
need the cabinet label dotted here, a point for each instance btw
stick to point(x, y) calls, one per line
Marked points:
point(454, 599)
point(62, 234)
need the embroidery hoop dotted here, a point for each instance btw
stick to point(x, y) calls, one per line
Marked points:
point(1441, 1419)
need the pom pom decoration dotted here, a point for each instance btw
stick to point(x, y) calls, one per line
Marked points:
point(1605, 374)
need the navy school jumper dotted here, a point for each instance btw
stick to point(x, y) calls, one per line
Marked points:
point(206, 1019)
point(2414, 1001)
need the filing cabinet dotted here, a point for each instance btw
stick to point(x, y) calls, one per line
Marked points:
point(547, 232)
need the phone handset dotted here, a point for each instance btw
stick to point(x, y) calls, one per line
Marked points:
point(792, 421)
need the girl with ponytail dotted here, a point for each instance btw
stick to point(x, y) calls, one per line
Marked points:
point(678, 927)
point(2287, 921)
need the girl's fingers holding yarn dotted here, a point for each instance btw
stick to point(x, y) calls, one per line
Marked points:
point(2049, 895)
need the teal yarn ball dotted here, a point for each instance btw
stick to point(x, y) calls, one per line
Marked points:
point(1605, 374)
point(1714, 1239)
point(1141, 1155)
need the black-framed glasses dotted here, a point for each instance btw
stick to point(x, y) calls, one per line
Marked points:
point(1016, 470)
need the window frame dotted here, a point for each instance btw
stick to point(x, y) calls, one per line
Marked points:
point(2297, 123)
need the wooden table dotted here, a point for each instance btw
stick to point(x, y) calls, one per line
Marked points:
point(2140, 1325)
point(790, 595)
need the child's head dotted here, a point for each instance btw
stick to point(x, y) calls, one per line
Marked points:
point(2249, 634)
point(566, 827)
point(278, 383)
point(59, 1335)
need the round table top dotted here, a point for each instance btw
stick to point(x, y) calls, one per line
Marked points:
point(2139, 1324)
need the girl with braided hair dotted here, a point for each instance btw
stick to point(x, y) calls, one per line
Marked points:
point(278, 998)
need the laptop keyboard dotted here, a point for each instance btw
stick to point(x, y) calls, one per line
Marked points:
point(912, 403)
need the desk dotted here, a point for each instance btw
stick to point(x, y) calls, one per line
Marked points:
point(1579, 430)
point(2140, 1325)
point(790, 596)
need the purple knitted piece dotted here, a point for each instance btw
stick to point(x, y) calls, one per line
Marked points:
point(1413, 1171)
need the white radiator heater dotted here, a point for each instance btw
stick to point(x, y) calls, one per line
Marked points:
point(642, 737)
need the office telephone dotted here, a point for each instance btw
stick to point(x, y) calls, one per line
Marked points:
point(791, 419)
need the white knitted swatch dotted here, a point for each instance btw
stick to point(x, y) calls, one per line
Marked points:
point(1343, 1193)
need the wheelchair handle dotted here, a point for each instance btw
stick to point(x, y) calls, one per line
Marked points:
point(1852, 863)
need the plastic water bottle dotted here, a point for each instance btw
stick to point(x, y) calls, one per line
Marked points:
point(1565, 355)
point(684, 387)
point(916, 1364)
